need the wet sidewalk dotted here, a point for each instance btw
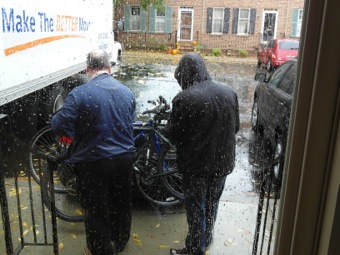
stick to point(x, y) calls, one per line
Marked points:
point(154, 230)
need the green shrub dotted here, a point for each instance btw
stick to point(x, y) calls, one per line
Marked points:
point(216, 52)
point(198, 48)
point(163, 46)
point(243, 53)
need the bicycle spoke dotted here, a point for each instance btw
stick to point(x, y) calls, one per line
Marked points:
point(46, 143)
point(152, 189)
point(155, 192)
point(67, 205)
point(167, 168)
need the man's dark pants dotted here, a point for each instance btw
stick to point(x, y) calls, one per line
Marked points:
point(105, 191)
point(202, 195)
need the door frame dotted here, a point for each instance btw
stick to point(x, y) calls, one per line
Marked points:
point(180, 10)
point(268, 11)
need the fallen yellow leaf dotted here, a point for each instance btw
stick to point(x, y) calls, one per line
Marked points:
point(61, 246)
point(138, 242)
point(164, 246)
point(13, 192)
point(73, 236)
point(79, 212)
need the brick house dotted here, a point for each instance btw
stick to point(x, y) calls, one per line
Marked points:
point(226, 25)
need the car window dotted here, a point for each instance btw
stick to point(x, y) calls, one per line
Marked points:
point(279, 74)
point(289, 45)
point(287, 84)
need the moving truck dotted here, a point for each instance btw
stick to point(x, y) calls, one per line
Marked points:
point(43, 47)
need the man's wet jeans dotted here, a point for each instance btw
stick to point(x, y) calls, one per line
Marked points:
point(202, 195)
point(105, 188)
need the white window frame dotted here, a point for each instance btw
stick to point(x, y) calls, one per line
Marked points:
point(299, 23)
point(133, 19)
point(159, 22)
point(243, 20)
point(215, 19)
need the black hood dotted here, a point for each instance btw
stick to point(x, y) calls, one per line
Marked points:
point(191, 69)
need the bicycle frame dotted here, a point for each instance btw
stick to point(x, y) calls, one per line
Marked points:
point(146, 128)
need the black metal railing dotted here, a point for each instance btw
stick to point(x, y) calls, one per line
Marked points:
point(269, 195)
point(25, 219)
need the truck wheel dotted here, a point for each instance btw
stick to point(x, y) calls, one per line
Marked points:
point(119, 56)
point(52, 99)
point(74, 81)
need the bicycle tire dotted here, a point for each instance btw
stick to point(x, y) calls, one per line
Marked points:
point(67, 206)
point(166, 165)
point(151, 189)
point(46, 142)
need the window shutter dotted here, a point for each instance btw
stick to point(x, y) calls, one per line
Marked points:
point(235, 20)
point(294, 21)
point(209, 20)
point(127, 11)
point(142, 20)
point(226, 20)
point(152, 19)
point(252, 21)
point(168, 19)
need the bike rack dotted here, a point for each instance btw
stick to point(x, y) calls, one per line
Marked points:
point(28, 223)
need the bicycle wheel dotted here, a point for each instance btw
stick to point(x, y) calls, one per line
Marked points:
point(46, 142)
point(152, 189)
point(167, 167)
point(67, 205)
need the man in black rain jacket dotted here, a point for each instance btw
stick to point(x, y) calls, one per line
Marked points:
point(203, 124)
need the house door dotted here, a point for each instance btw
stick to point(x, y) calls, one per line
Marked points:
point(269, 25)
point(185, 24)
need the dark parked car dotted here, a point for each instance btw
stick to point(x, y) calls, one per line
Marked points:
point(276, 52)
point(271, 109)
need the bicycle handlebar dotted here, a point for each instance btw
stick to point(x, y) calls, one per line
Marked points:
point(161, 106)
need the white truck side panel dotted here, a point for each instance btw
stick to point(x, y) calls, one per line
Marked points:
point(43, 41)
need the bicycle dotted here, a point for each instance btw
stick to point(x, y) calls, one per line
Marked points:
point(149, 178)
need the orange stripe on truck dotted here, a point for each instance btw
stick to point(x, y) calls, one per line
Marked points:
point(35, 43)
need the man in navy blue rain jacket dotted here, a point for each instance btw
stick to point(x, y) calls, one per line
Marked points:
point(99, 116)
point(203, 124)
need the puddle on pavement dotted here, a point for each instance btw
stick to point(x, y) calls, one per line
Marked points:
point(147, 83)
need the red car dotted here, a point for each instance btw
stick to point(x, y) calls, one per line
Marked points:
point(276, 52)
